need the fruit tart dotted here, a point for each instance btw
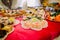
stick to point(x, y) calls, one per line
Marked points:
point(34, 23)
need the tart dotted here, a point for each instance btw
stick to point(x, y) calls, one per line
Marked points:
point(34, 24)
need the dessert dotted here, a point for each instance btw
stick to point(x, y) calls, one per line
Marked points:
point(33, 18)
point(6, 26)
point(34, 24)
point(11, 13)
point(53, 12)
point(3, 33)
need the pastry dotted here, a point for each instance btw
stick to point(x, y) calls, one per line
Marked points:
point(6, 26)
point(34, 24)
point(11, 13)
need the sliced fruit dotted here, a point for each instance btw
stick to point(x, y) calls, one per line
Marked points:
point(57, 18)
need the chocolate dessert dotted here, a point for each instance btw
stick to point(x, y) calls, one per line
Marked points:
point(2, 33)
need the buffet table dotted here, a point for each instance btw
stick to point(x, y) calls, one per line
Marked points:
point(48, 33)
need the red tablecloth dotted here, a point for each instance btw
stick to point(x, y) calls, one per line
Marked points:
point(58, 25)
point(23, 34)
point(53, 28)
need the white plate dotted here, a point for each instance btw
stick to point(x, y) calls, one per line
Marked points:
point(44, 24)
